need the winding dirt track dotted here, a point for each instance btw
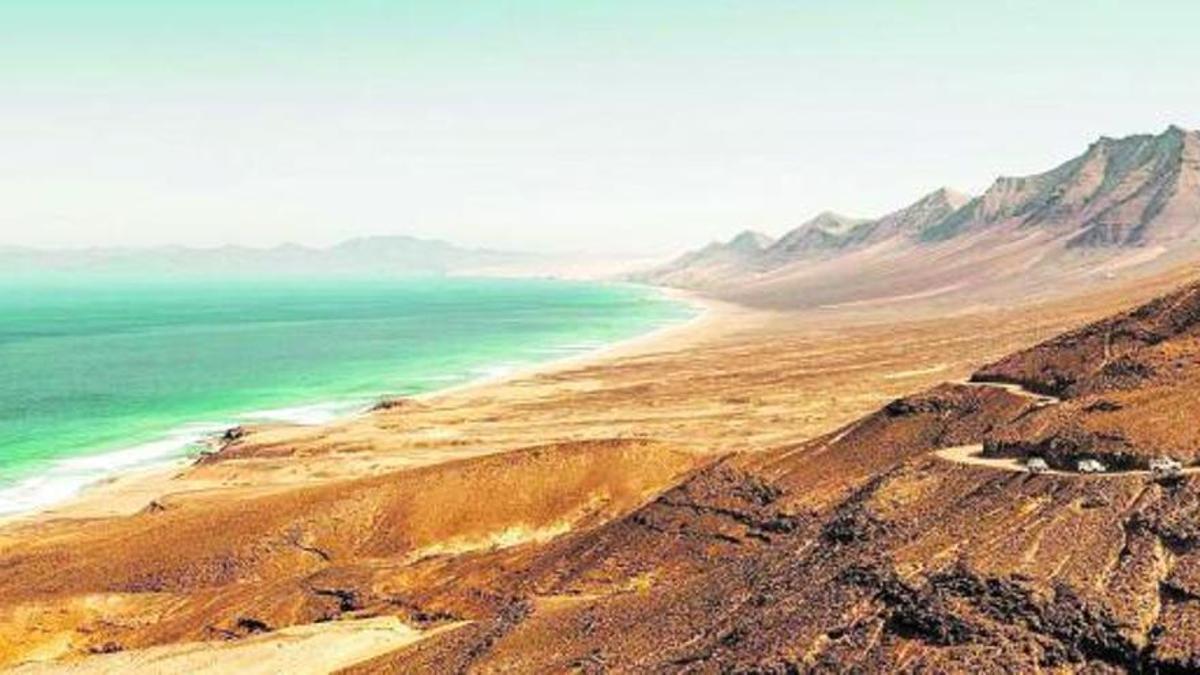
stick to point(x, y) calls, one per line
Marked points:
point(1041, 400)
point(972, 454)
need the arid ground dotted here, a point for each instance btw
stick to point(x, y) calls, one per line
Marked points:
point(701, 500)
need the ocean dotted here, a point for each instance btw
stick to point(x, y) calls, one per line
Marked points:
point(106, 376)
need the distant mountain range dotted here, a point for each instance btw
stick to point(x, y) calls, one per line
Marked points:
point(371, 257)
point(1131, 199)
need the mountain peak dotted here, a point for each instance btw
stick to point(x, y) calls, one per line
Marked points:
point(927, 212)
point(1120, 193)
point(826, 231)
point(750, 240)
point(832, 222)
point(945, 195)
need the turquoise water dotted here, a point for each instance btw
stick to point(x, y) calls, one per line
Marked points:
point(100, 377)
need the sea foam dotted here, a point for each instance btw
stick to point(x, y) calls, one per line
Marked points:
point(308, 415)
point(64, 478)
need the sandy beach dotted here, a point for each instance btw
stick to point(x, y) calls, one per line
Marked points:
point(457, 338)
point(498, 465)
point(131, 490)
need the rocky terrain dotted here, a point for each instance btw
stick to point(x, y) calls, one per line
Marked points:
point(1124, 207)
point(863, 550)
point(1129, 387)
point(677, 513)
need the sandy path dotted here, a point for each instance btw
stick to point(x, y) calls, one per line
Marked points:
point(298, 650)
point(1040, 400)
point(972, 454)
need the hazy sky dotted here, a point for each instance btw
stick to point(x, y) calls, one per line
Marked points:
point(575, 124)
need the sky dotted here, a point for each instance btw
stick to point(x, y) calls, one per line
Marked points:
point(642, 126)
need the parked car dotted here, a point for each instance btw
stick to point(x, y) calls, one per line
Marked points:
point(1090, 466)
point(1165, 467)
point(1036, 465)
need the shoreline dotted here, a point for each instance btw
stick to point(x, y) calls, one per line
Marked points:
point(110, 494)
point(707, 310)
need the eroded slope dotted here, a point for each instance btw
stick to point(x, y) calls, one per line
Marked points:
point(860, 549)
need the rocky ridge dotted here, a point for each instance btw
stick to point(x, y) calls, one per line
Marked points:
point(1122, 204)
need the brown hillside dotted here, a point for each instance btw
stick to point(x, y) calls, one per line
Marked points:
point(858, 550)
point(1132, 384)
point(862, 549)
point(679, 513)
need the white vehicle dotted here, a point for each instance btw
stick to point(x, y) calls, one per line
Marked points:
point(1090, 466)
point(1165, 467)
point(1037, 465)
